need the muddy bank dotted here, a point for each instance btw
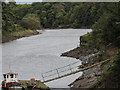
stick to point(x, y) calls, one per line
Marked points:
point(83, 53)
point(11, 37)
point(88, 57)
point(88, 79)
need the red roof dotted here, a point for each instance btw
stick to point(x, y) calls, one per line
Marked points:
point(32, 79)
point(11, 73)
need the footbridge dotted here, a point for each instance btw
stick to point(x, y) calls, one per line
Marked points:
point(66, 71)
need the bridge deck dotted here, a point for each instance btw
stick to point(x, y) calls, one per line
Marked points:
point(82, 69)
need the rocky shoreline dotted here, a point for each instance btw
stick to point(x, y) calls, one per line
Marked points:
point(88, 57)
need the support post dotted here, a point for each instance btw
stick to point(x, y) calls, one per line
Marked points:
point(70, 68)
point(57, 72)
point(43, 77)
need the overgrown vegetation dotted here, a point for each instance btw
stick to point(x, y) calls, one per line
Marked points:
point(15, 26)
point(106, 37)
point(111, 77)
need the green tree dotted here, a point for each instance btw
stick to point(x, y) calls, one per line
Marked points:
point(7, 18)
point(107, 28)
point(31, 21)
point(21, 10)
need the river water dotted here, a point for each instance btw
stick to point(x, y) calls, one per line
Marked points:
point(31, 56)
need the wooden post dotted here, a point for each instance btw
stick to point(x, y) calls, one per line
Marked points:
point(57, 72)
point(43, 77)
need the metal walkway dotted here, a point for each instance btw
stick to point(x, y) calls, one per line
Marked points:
point(70, 70)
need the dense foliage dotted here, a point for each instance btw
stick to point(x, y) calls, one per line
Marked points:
point(30, 21)
point(50, 15)
point(7, 18)
point(107, 28)
point(115, 72)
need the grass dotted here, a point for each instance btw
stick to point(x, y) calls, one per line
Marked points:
point(6, 37)
point(23, 33)
point(38, 82)
point(87, 40)
point(17, 33)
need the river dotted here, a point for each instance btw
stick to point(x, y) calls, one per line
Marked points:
point(31, 56)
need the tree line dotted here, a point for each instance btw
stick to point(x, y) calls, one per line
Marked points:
point(103, 18)
point(49, 15)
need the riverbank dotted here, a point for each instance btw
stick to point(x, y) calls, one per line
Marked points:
point(18, 34)
point(88, 79)
point(89, 56)
point(34, 84)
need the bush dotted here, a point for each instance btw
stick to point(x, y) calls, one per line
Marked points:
point(31, 21)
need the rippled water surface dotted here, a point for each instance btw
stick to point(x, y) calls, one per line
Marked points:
point(31, 56)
